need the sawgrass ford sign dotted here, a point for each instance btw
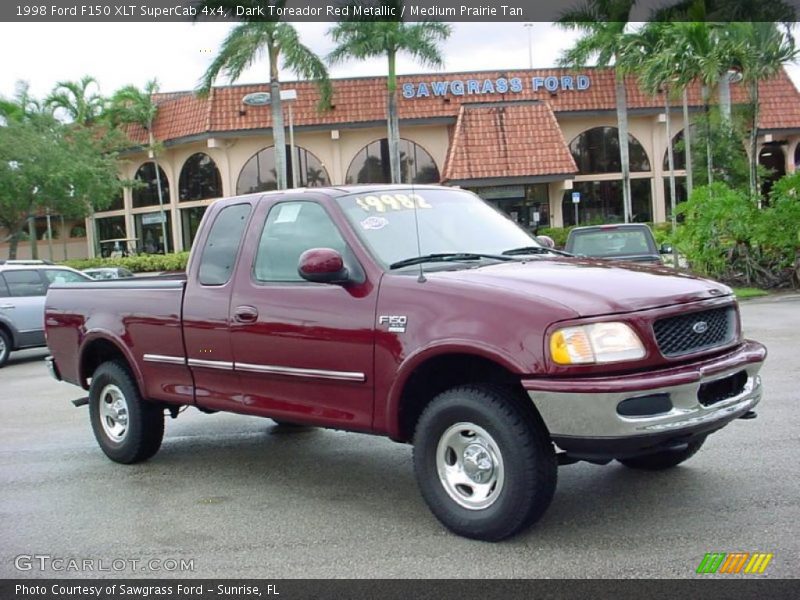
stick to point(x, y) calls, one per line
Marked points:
point(500, 85)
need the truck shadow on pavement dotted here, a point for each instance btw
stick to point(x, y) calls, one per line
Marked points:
point(320, 474)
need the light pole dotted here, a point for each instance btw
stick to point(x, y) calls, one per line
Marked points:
point(264, 99)
point(529, 27)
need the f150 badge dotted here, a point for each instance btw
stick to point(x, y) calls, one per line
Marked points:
point(396, 323)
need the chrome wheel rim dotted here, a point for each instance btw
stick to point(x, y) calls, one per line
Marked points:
point(2, 347)
point(470, 466)
point(114, 412)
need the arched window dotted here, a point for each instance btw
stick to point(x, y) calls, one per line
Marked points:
point(259, 173)
point(199, 178)
point(773, 160)
point(371, 164)
point(117, 202)
point(147, 195)
point(597, 151)
point(679, 149)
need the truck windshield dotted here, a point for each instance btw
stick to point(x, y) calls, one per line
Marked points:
point(451, 221)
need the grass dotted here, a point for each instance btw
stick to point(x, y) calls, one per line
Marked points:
point(742, 293)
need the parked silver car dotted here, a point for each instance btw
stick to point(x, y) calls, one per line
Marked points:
point(23, 287)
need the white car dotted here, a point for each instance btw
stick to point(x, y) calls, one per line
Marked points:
point(23, 287)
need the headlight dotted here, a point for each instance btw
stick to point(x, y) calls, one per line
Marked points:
point(595, 343)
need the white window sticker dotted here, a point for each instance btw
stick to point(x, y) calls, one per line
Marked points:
point(374, 223)
point(288, 213)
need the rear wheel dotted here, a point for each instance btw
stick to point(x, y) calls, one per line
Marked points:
point(127, 428)
point(658, 461)
point(484, 462)
point(5, 347)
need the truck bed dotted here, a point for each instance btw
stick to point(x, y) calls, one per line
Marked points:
point(143, 316)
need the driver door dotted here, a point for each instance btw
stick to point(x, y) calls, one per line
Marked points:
point(303, 350)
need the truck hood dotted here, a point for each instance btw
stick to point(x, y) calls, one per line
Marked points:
point(592, 287)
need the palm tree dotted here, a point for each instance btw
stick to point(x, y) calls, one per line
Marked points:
point(244, 45)
point(367, 39)
point(681, 53)
point(760, 49)
point(654, 54)
point(603, 24)
point(23, 106)
point(74, 98)
point(136, 106)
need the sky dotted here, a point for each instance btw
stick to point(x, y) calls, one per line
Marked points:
point(177, 54)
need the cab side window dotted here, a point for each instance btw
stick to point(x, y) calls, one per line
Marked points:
point(292, 228)
point(3, 287)
point(25, 283)
point(222, 245)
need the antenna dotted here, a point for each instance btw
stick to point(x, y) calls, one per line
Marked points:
point(421, 278)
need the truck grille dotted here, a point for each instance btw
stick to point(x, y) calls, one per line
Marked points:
point(695, 331)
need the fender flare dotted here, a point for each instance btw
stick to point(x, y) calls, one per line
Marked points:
point(92, 336)
point(440, 348)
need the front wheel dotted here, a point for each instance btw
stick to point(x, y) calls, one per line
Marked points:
point(127, 428)
point(484, 462)
point(658, 461)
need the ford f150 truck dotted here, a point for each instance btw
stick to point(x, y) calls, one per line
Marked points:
point(422, 314)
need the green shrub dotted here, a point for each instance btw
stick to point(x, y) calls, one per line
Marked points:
point(142, 263)
point(662, 232)
point(726, 236)
point(559, 234)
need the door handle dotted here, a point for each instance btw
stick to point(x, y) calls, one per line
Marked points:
point(245, 314)
point(7, 306)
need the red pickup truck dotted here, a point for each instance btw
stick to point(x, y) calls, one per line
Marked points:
point(422, 314)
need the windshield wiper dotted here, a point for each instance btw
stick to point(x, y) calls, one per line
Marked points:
point(446, 257)
point(534, 250)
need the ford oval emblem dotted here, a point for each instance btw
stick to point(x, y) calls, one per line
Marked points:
point(700, 327)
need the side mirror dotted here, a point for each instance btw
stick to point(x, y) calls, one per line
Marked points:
point(546, 241)
point(665, 248)
point(322, 265)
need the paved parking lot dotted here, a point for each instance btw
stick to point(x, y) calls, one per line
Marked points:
point(240, 497)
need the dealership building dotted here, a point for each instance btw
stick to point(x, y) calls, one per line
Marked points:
point(529, 141)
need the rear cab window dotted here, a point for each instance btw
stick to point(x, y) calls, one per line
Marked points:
point(612, 242)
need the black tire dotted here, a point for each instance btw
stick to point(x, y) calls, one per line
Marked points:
point(127, 428)
point(658, 461)
point(5, 347)
point(516, 444)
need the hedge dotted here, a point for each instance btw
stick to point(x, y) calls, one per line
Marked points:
point(142, 263)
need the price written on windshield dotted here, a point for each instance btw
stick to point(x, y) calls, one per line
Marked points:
point(387, 202)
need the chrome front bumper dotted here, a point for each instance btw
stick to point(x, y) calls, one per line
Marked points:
point(584, 419)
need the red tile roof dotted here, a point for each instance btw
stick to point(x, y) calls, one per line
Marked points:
point(513, 139)
point(363, 100)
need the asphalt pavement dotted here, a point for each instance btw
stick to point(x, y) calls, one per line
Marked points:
point(234, 496)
